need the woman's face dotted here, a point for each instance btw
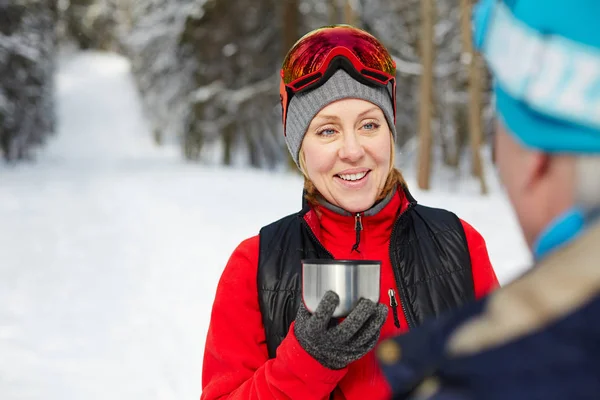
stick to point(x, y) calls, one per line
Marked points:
point(347, 153)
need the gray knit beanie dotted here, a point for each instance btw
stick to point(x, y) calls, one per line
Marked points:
point(304, 106)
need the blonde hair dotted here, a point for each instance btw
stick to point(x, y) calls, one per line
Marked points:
point(394, 179)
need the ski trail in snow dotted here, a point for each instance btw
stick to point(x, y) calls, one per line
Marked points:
point(99, 113)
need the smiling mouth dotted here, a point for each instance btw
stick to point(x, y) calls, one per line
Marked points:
point(353, 177)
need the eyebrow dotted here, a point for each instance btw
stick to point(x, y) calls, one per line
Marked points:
point(327, 118)
point(335, 118)
point(370, 110)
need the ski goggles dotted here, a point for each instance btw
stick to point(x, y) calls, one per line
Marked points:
point(319, 54)
point(549, 73)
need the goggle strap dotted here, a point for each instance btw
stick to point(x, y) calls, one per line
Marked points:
point(341, 62)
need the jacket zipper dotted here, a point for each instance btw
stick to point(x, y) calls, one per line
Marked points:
point(394, 305)
point(395, 269)
point(358, 227)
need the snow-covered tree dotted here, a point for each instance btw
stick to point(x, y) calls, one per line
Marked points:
point(27, 48)
point(163, 74)
point(208, 72)
point(94, 24)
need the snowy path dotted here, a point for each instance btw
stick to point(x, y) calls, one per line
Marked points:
point(111, 248)
point(110, 251)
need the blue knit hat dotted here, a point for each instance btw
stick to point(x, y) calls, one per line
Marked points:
point(545, 59)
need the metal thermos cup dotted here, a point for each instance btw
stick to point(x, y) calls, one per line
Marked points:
point(350, 279)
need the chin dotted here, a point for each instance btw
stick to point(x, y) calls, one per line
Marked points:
point(358, 205)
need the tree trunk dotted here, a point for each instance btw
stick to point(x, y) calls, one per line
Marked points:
point(427, 55)
point(252, 151)
point(332, 12)
point(475, 97)
point(290, 24)
point(350, 13)
point(228, 139)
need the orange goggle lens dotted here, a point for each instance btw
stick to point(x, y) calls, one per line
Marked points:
point(325, 49)
point(312, 53)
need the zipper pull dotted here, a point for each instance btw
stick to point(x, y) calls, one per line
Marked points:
point(394, 305)
point(357, 227)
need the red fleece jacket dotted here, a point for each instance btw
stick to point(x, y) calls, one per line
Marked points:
point(236, 363)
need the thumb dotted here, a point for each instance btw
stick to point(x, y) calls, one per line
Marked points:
point(322, 315)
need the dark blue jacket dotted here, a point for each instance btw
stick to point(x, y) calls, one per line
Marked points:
point(537, 338)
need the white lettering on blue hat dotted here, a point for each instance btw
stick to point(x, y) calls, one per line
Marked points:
point(551, 74)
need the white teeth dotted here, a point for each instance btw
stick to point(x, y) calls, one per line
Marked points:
point(352, 177)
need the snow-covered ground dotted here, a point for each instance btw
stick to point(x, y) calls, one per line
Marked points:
point(111, 247)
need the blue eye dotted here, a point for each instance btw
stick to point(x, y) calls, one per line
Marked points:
point(326, 132)
point(370, 126)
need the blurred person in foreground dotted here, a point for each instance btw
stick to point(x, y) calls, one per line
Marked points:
point(338, 103)
point(539, 336)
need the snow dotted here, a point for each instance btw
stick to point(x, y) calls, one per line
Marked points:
point(111, 247)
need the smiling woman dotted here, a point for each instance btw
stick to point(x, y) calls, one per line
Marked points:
point(338, 96)
point(347, 152)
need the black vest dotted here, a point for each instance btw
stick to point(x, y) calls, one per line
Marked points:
point(428, 252)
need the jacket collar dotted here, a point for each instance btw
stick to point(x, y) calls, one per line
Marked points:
point(377, 207)
point(334, 226)
point(564, 229)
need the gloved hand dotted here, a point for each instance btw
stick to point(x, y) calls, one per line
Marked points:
point(337, 346)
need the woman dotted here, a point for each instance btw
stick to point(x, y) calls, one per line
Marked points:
point(338, 97)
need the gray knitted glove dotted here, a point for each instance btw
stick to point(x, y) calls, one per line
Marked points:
point(336, 346)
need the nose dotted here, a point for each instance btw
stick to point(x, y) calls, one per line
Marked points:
point(351, 149)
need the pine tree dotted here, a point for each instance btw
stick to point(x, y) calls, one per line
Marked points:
point(27, 63)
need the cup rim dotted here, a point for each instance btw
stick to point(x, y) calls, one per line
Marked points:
point(348, 262)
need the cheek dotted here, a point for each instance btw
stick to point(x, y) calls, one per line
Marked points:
point(381, 149)
point(504, 167)
point(509, 158)
point(502, 154)
point(319, 158)
point(511, 168)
